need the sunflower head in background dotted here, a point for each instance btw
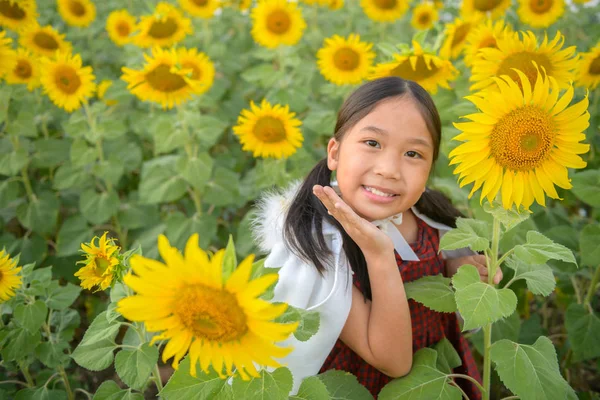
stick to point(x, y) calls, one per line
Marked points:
point(200, 66)
point(26, 70)
point(540, 13)
point(200, 8)
point(588, 68)
point(522, 141)
point(269, 130)
point(276, 23)
point(17, 14)
point(345, 60)
point(164, 28)
point(385, 10)
point(7, 55)
point(221, 322)
point(120, 26)
point(79, 13)
point(456, 34)
point(101, 263)
point(43, 40)
point(9, 276)
point(484, 8)
point(424, 16)
point(484, 35)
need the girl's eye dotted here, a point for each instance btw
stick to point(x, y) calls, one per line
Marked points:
point(412, 154)
point(368, 142)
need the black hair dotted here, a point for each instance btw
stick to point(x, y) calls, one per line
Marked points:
point(306, 211)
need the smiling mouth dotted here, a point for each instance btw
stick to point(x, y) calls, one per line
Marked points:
point(379, 192)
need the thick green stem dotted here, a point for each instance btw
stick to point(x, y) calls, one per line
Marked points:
point(65, 379)
point(27, 375)
point(487, 330)
point(27, 184)
point(469, 378)
point(592, 288)
point(157, 379)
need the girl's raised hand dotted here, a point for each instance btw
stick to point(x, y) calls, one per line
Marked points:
point(367, 236)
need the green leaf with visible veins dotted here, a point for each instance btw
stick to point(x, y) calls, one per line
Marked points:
point(540, 249)
point(539, 277)
point(312, 388)
point(433, 292)
point(344, 385)
point(583, 328)
point(204, 386)
point(468, 233)
point(135, 366)
point(274, 385)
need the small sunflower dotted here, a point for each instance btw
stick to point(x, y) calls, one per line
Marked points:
point(77, 12)
point(425, 15)
point(8, 57)
point(484, 35)
point(540, 13)
point(522, 141)
point(423, 67)
point(315, 2)
point(101, 263)
point(219, 322)
point(269, 131)
point(26, 70)
point(588, 68)
point(513, 53)
point(277, 22)
point(201, 67)
point(345, 61)
point(166, 27)
point(43, 41)
point(163, 80)
point(484, 8)
point(241, 5)
point(200, 8)
point(17, 14)
point(66, 82)
point(456, 34)
point(120, 26)
point(335, 4)
point(9, 280)
point(384, 10)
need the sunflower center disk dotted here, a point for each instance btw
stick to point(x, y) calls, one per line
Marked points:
point(67, 80)
point(210, 313)
point(405, 70)
point(123, 29)
point(163, 29)
point(11, 10)
point(486, 5)
point(161, 79)
point(77, 8)
point(200, 3)
point(385, 4)
point(45, 41)
point(196, 73)
point(102, 264)
point(523, 61)
point(595, 66)
point(346, 59)
point(460, 34)
point(269, 130)
point(488, 42)
point(522, 139)
point(540, 6)
point(23, 69)
point(424, 18)
point(278, 22)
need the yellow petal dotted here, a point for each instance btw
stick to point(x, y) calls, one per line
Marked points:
point(546, 183)
point(557, 173)
point(507, 185)
point(239, 278)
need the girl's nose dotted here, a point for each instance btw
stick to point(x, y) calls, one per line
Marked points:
point(389, 167)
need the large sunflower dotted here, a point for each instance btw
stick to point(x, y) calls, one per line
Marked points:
point(522, 141)
point(101, 263)
point(201, 67)
point(277, 22)
point(269, 131)
point(220, 322)
point(200, 8)
point(9, 280)
point(163, 80)
point(26, 70)
point(7, 55)
point(424, 16)
point(17, 14)
point(66, 82)
point(588, 68)
point(423, 67)
point(484, 35)
point(456, 34)
point(486, 8)
point(43, 40)
point(120, 26)
point(77, 12)
point(345, 61)
point(166, 27)
point(384, 10)
point(513, 53)
point(540, 13)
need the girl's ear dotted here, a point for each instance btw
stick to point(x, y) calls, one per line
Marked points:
point(332, 154)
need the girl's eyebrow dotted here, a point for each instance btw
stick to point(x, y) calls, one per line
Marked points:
point(383, 132)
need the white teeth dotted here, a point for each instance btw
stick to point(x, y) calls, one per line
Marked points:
point(378, 192)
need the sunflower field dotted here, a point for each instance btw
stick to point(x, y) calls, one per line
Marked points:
point(135, 131)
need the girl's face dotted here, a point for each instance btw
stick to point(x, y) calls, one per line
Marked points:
point(391, 151)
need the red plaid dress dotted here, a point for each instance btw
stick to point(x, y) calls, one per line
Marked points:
point(428, 327)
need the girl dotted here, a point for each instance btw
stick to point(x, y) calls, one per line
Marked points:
point(345, 247)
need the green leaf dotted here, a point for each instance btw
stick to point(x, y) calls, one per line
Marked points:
point(583, 327)
point(180, 228)
point(134, 216)
point(9, 192)
point(109, 390)
point(309, 322)
point(40, 214)
point(68, 176)
point(111, 128)
point(230, 263)
point(195, 170)
point(160, 183)
point(74, 231)
point(19, 344)
point(539, 277)
point(320, 121)
point(98, 207)
point(274, 385)
point(447, 358)
point(61, 297)
point(206, 128)
point(433, 292)
point(424, 381)
point(588, 243)
point(42, 393)
point(135, 366)
point(52, 354)
point(110, 171)
point(508, 218)
point(95, 352)
point(183, 386)
point(12, 163)
point(50, 152)
point(344, 385)
point(480, 303)
point(118, 292)
point(65, 322)
point(31, 316)
point(262, 74)
point(167, 138)
point(100, 330)
point(312, 388)
point(530, 372)
point(507, 328)
point(82, 154)
point(540, 249)
point(468, 233)
point(586, 186)
point(223, 189)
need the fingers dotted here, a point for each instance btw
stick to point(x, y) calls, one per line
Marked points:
point(337, 207)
